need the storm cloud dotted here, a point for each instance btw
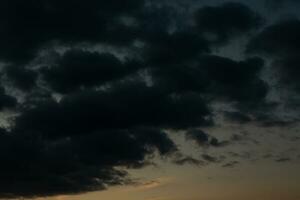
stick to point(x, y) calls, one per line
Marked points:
point(225, 22)
point(77, 68)
point(97, 87)
point(280, 41)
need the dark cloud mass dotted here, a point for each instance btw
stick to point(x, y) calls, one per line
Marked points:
point(281, 38)
point(217, 77)
point(203, 139)
point(77, 68)
point(227, 21)
point(95, 87)
point(189, 160)
point(277, 4)
point(289, 69)
point(6, 101)
point(29, 25)
point(210, 158)
point(199, 136)
point(281, 42)
point(20, 77)
point(164, 49)
point(231, 164)
point(124, 106)
point(36, 166)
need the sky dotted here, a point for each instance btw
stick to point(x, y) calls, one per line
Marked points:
point(150, 99)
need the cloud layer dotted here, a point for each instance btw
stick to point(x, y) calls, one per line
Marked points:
point(95, 85)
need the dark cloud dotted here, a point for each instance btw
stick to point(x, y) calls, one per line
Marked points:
point(40, 167)
point(218, 78)
point(226, 74)
point(199, 136)
point(289, 70)
point(125, 147)
point(6, 101)
point(163, 48)
point(216, 143)
point(189, 160)
point(203, 139)
point(210, 158)
point(77, 142)
point(281, 43)
point(277, 4)
point(230, 164)
point(21, 77)
point(168, 38)
point(29, 26)
point(241, 155)
point(283, 160)
point(124, 106)
point(227, 21)
point(78, 68)
point(280, 39)
point(82, 115)
point(238, 137)
point(277, 122)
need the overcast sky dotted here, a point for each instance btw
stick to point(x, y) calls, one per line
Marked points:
point(149, 99)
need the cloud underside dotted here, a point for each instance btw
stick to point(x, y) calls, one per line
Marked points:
point(95, 84)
